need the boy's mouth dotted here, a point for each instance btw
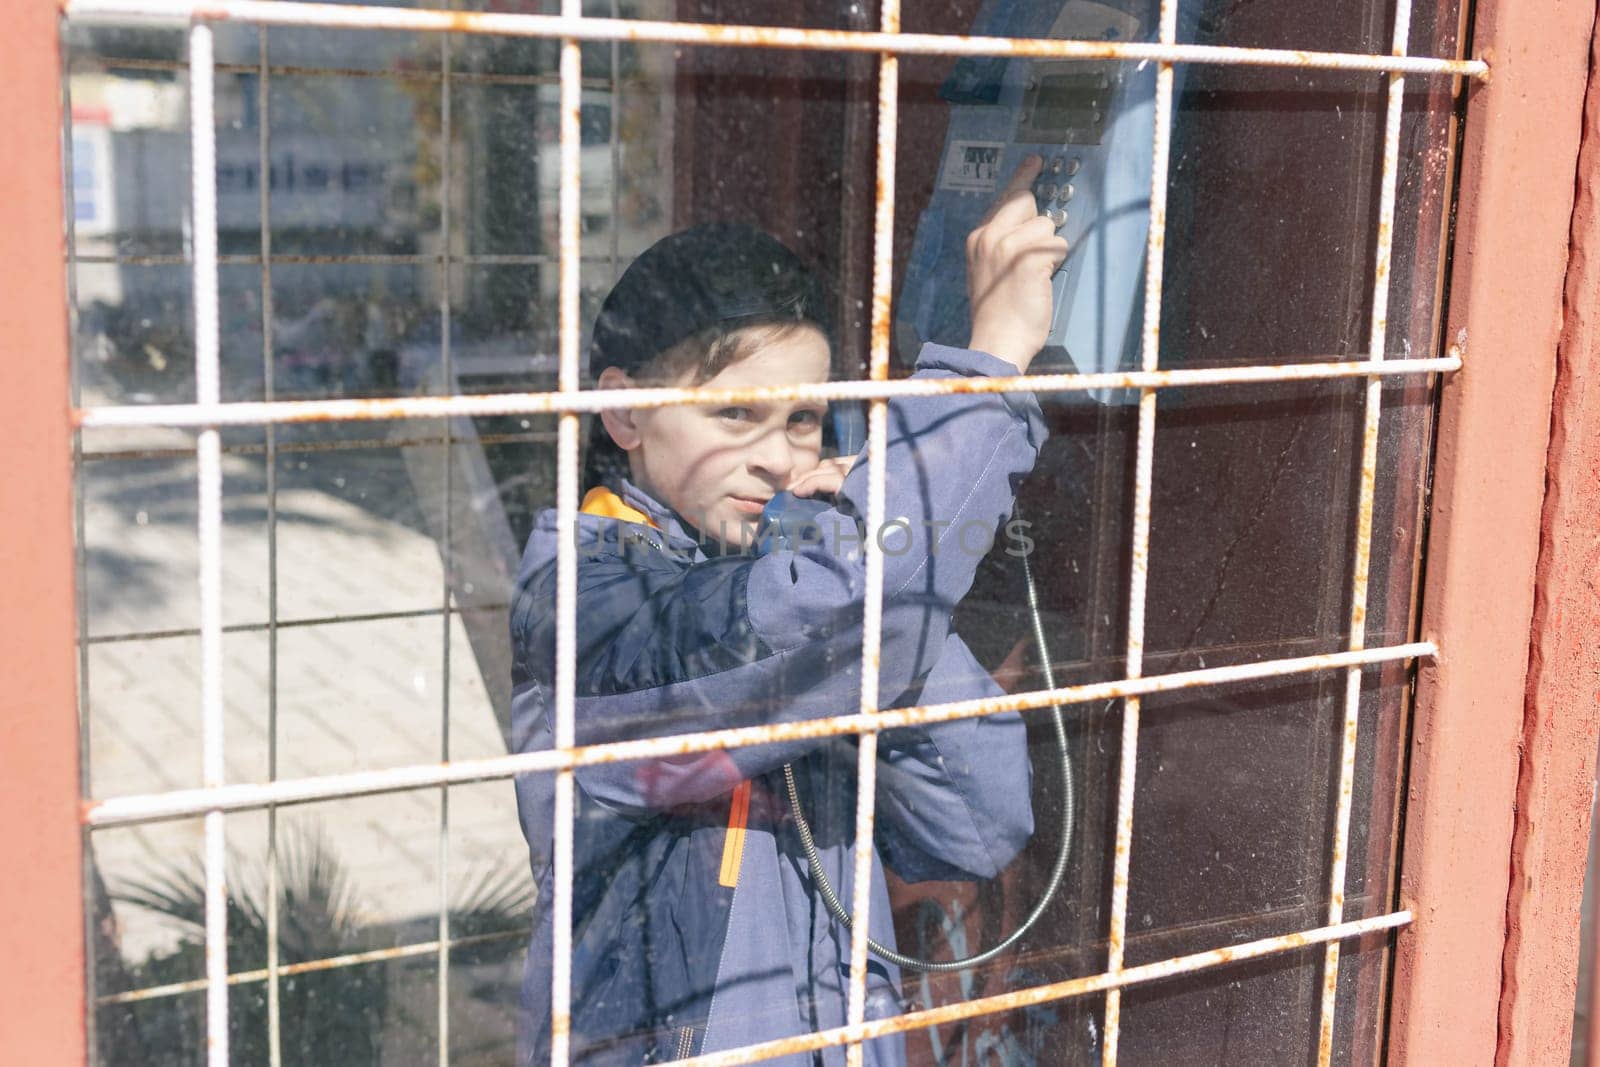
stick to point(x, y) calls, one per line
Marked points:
point(749, 505)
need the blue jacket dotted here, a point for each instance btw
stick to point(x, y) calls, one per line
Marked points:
point(668, 960)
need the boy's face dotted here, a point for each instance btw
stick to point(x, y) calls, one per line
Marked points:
point(718, 466)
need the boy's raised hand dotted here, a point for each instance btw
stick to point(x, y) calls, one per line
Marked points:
point(1011, 255)
point(824, 479)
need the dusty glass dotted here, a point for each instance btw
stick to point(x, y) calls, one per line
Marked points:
point(388, 218)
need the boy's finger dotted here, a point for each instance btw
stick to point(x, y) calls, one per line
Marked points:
point(1018, 190)
point(1018, 205)
point(826, 479)
point(1023, 176)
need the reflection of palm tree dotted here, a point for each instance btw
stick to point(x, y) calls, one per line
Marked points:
point(331, 1015)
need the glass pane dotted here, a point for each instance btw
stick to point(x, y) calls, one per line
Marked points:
point(490, 913)
point(135, 333)
point(387, 584)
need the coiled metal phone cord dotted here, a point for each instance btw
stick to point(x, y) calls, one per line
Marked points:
point(1063, 853)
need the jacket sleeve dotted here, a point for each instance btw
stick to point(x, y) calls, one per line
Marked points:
point(955, 799)
point(741, 641)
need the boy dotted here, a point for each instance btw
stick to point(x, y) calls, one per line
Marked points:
point(696, 926)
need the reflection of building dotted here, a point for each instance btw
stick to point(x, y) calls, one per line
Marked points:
point(354, 175)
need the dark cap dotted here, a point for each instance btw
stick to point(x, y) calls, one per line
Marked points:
point(717, 274)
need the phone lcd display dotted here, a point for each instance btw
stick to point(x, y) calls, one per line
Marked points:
point(1067, 108)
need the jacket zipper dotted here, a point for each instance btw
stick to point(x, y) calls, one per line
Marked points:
point(716, 982)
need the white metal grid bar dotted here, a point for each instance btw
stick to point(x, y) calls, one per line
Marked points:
point(326, 963)
point(575, 27)
point(566, 551)
point(207, 386)
point(590, 401)
point(877, 481)
point(269, 375)
point(1139, 566)
point(937, 1016)
point(182, 803)
point(395, 259)
point(446, 540)
point(90, 878)
point(1045, 994)
point(1363, 540)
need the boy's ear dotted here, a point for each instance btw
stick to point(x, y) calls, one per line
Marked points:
point(619, 422)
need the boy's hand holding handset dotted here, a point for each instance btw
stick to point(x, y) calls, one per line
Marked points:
point(1010, 257)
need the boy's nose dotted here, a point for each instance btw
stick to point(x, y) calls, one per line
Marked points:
point(773, 457)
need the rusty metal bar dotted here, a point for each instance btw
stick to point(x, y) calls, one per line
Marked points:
point(1074, 987)
point(446, 548)
point(566, 551)
point(101, 63)
point(576, 28)
point(186, 803)
point(301, 259)
point(285, 624)
point(329, 963)
point(269, 376)
point(525, 437)
point(1372, 410)
point(877, 475)
point(208, 390)
point(589, 401)
point(1139, 565)
point(80, 554)
point(951, 1013)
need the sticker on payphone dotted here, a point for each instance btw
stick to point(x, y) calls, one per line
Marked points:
point(972, 166)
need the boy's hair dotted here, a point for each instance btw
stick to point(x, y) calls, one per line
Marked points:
point(691, 305)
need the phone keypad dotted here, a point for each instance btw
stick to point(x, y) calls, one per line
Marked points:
point(1051, 193)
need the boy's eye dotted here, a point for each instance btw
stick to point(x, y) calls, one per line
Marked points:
point(734, 414)
point(806, 419)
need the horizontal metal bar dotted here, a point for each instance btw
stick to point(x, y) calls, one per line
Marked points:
point(1045, 994)
point(330, 963)
point(186, 803)
point(248, 413)
point(351, 259)
point(354, 16)
point(289, 624)
point(94, 63)
point(355, 444)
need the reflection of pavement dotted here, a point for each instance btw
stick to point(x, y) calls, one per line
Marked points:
point(350, 695)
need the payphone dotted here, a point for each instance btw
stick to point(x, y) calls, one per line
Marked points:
point(1093, 124)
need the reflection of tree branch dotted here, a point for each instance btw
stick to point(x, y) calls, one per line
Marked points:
point(334, 1015)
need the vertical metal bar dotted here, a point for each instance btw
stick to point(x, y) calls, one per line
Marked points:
point(446, 548)
point(1363, 545)
point(566, 553)
point(269, 373)
point(1139, 570)
point(877, 449)
point(207, 382)
point(80, 556)
point(616, 148)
